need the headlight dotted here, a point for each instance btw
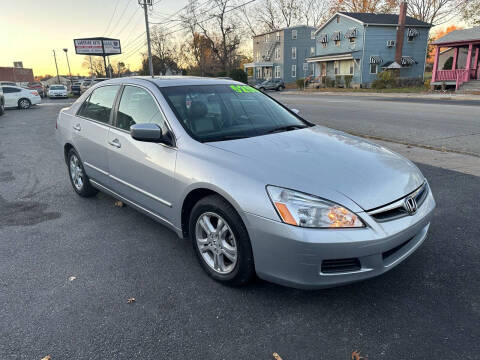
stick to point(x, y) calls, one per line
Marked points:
point(300, 209)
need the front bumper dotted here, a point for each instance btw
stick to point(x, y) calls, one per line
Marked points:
point(293, 256)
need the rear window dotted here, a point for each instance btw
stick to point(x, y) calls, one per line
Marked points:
point(57, 87)
point(99, 105)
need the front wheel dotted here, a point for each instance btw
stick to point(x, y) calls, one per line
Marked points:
point(24, 103)
point(2, 109)
point(221, 242)
point(262, 89)
point(77, 175)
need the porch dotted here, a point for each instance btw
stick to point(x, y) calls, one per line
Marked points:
point(260, 71)
point(464, 62)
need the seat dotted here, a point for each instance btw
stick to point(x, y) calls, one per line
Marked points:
point(199, 120)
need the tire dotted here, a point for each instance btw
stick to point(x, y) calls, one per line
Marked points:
point(24, 103)
point(262, 89)
point(78, 178)
point(233, 242)
point(278, 88)
point(2, 109)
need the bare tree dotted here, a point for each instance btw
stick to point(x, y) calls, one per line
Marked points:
point(435, 12)
point(314, 12)
point(366, 6)
point(471, 12)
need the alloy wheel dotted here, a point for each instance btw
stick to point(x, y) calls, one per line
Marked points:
point(76, 172)
point(216, 243)
point(24, 104)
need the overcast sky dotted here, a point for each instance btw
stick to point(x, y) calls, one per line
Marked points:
point(35, 27)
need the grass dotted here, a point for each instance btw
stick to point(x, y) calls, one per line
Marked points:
point(405, 90)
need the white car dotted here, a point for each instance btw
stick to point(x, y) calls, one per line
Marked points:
point(57, 91)
point(23, 98)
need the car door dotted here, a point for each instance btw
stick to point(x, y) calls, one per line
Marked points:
point(142, 172)
point(12, 95)
point(90, 132)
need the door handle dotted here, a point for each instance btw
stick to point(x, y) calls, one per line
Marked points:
point(115, 143)
point(77, 127)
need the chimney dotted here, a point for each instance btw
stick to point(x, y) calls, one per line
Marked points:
point(400, 31)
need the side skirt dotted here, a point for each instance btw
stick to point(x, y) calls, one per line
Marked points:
point(138, 207)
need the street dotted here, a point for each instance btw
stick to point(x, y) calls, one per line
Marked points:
point(68, 265)
point(453, 125)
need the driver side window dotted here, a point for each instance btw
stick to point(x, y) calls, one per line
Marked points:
point(137, 106)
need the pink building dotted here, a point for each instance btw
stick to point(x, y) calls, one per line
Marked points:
point(465, 70)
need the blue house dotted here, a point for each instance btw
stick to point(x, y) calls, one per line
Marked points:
point(363, 44)
point(281, 54)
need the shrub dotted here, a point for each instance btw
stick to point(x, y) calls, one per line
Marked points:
point(239, 75)
point(426, 84)
point(348, 80)
point(329, 82)
point(300, 84)
point(338, 80)
point(385, 79)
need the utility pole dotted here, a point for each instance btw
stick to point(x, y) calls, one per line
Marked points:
point(55, 57)
point(68, 63)
point(144, 3)
point(91, 68)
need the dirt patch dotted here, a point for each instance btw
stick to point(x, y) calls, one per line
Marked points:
point(21, 213)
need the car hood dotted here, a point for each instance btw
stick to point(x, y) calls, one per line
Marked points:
point(315, 159)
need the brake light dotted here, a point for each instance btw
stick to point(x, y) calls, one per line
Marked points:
point(35, 93)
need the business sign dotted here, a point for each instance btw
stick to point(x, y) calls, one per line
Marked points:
point(97, 46)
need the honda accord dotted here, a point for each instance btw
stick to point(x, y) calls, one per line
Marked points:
point(255, 187)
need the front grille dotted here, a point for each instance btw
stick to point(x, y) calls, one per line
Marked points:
point(340, 265)
point(396, 210)
point(391, 252)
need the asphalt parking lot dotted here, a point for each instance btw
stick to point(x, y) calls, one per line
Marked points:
point(68, 266)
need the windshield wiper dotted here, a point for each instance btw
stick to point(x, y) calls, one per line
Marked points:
point(286, 128)
point(227, 137)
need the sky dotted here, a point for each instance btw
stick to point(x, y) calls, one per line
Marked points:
point(36, 27)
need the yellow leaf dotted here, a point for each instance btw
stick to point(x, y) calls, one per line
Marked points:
point(48, 357)
point(276, 356)
point(131, 300)
point(119, 203)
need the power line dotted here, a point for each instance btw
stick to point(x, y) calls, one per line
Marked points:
point(121, 16)
point(128, 22)
point(111, 18)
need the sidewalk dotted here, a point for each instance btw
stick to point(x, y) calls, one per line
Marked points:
point(434, 96)
point(466, 164)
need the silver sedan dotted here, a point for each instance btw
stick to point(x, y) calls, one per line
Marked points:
point(256, 188)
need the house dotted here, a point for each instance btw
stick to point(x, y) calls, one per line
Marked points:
point(361, 45)
point(463, 47)
point(16, 74)
point(281, 54)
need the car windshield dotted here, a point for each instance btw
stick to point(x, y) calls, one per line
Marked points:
point(265, 82)
point(227, 112)
point(57, 87)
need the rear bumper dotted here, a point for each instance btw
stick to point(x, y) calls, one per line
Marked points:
point(293, 256)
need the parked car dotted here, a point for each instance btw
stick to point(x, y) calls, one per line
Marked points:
point(2, 102)
point(37, 86)
point(272, 84)
point(9, 83)
point(256, 188)
point(17, 96)
point(57, 91)
point(76, 90)
point(90, 82)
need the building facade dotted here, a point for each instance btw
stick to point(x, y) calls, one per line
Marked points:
point(462, 47)
point(361, 45)
point(16, 74)
point(282, 54)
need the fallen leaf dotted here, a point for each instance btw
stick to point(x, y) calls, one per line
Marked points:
point(48, 357)
point(119, 203)
point(130, 300)
point(71, 278)
point(276, 356)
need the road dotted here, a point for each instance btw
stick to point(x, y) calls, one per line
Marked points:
point(453, 125)
point(426, 308)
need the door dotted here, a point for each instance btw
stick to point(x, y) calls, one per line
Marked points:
point(91, 127)
point(12, 95)
point(142, 172)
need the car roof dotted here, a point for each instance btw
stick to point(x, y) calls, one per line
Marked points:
point(166, 81)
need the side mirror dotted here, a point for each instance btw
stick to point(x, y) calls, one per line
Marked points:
point(151, 133)
point(146, 132)
point(296, 111)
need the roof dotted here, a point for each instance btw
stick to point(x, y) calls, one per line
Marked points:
point(384, 19)
point(460, 35)
point(285, 28)
point(165, 81)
